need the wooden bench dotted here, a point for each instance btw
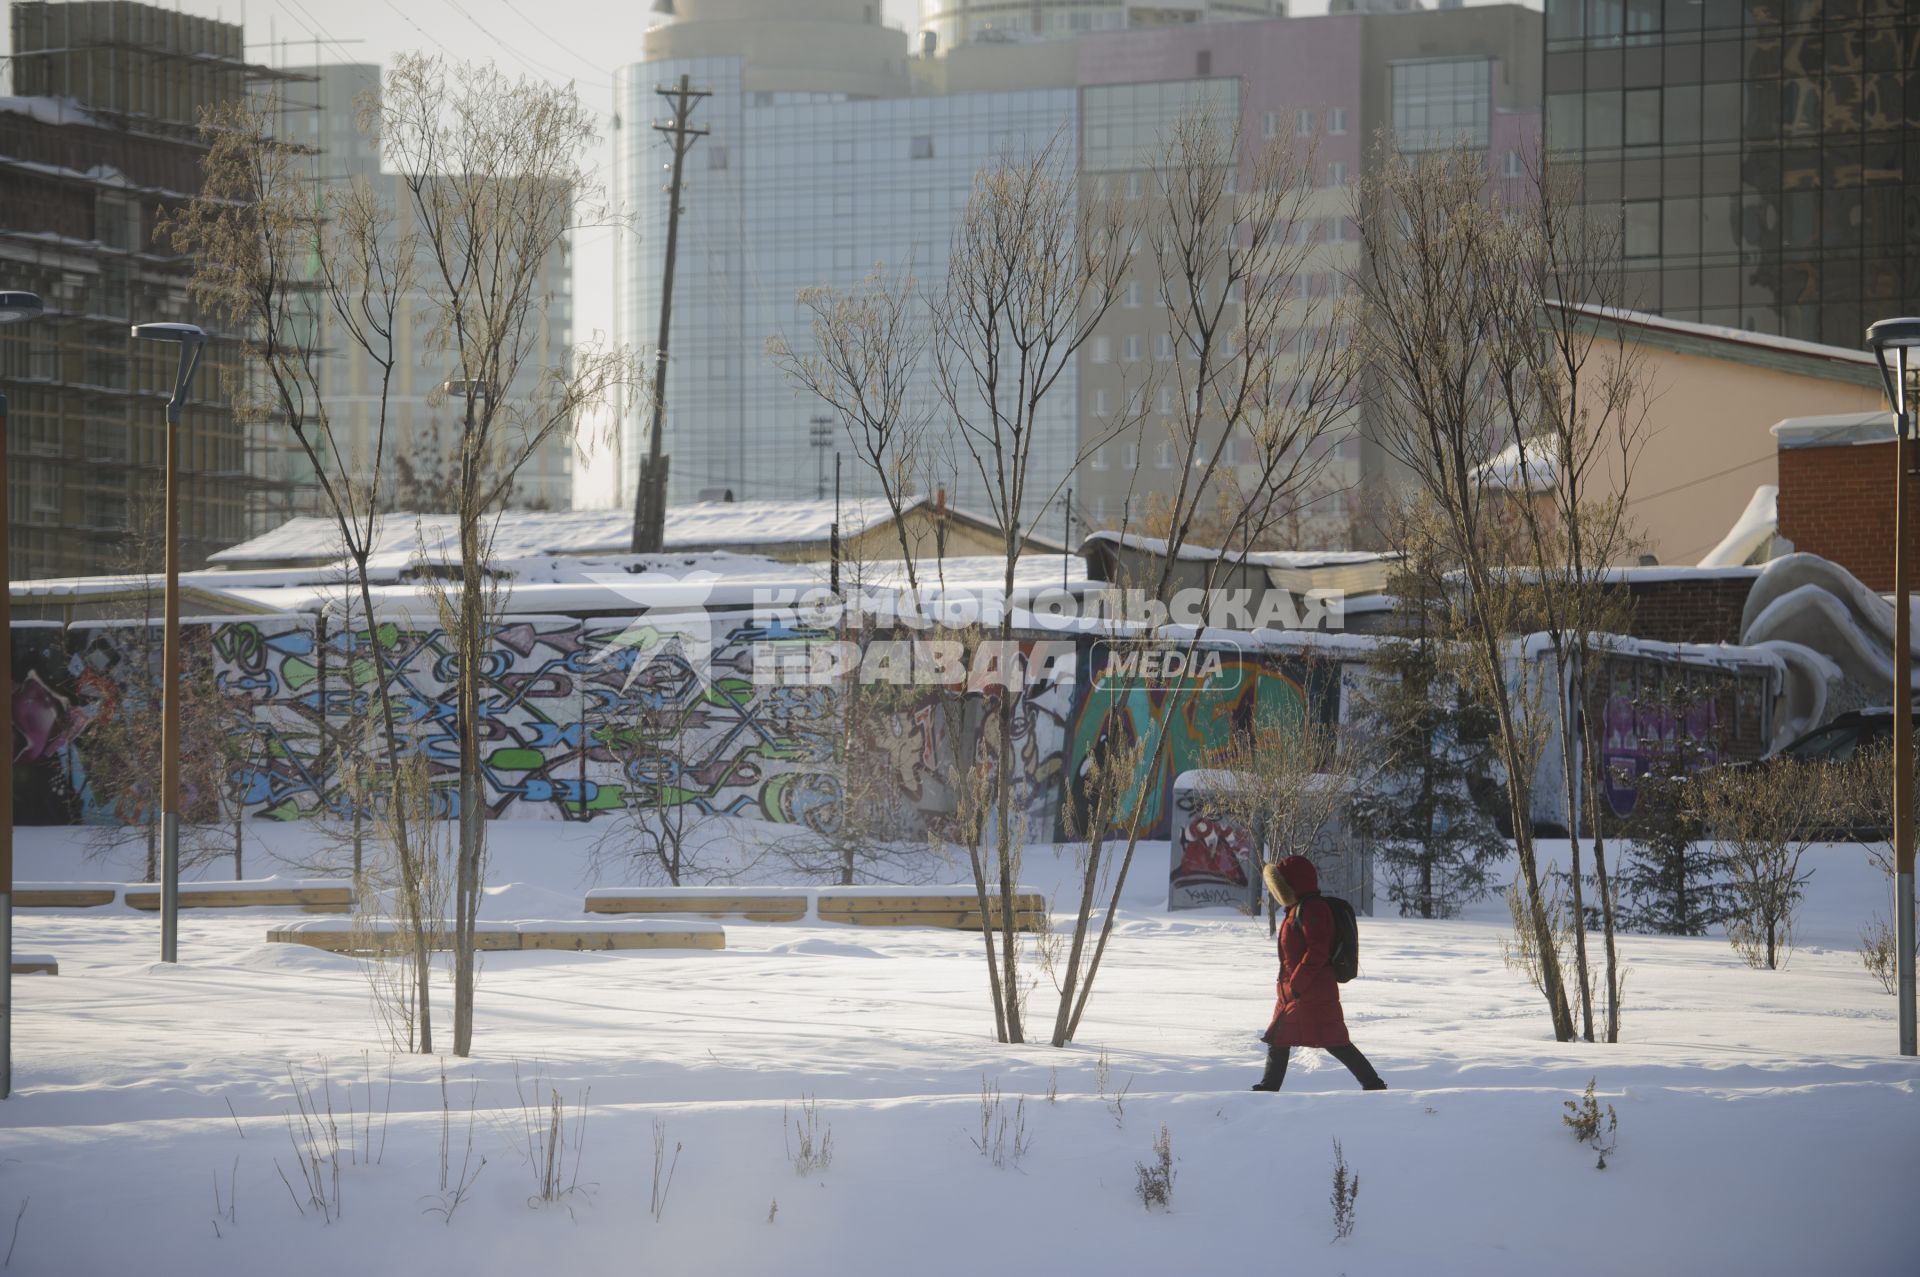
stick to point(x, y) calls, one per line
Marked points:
point(35, 964)
point(314, 895)
point(953, 908)
point(347, 937)
point(759, 904)
point(64, 895)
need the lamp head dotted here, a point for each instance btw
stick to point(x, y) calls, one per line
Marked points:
point(1896, 347)
point(18, 306)
point(191, 334)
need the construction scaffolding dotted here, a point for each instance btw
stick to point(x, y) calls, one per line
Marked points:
point(98, 143)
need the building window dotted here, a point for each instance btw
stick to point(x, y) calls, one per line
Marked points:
point(1102, 348)
point(1510, 167)
point(1163, 347)
point(1336, 175)
point(1272, 128)
point(1130, 297)
point(716, 157)
point(1303, 124)
point(1099, 461)
point(1099, 403)
point(1134, 186)
point(1337, 120)
point(1442, 102)
point(1166, 399)
point(843, 152)
point(1164, 458)
point(1641, 233)
point(1130, 347)
point(922, 148)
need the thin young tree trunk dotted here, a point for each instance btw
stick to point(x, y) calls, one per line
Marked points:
point(469, 643)
point(1515, 763)
point(986, 931)
point(1592, 755)
point(411, 886)
point(1569, 772)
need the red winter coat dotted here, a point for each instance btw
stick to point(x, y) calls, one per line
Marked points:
point(1306, 1008)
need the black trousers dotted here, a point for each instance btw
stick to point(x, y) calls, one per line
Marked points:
point(1349, 1055)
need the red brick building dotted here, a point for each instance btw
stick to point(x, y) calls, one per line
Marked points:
point(1836, 492)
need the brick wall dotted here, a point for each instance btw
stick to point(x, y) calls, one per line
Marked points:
point(1838, 503)
point(1692, 609)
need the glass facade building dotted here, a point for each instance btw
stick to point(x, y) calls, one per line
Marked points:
point(790, 191)
point(1763, 155)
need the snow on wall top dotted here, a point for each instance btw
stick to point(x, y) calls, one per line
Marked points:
point(1835, 430)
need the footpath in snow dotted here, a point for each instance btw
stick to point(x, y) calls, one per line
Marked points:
point(1765, 1123)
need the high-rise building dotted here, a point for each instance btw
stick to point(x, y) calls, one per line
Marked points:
point(319, 110)
point(958, 22)
point(98, 143)
point(818, 165)
point(1763, 156)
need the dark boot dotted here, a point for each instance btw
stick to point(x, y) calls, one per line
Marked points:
point(1276, 1071)
point(1358, 1065)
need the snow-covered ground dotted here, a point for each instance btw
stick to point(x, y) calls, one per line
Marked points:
point(1765, 1123)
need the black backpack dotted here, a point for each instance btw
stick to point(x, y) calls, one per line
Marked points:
point(1344, 954)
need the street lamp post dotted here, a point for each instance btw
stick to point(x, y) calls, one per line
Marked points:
point(191, 341)
point(14, 307)
point(820, 436)
point(1896, 347)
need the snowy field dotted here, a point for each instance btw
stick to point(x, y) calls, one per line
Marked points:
point(1765, 1123)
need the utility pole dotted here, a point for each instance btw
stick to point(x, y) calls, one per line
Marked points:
point(650, 493)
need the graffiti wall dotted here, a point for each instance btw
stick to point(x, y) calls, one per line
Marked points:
point(577, 718)
point(1120, 704)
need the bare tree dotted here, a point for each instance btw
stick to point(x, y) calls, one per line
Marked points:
point(867, 365)
point(1033, 269)
point(277, 268)
point(1262, 382)
point(1577, 396)
point(1765, 817)
point(1286, 781)
point(1440, 303)
point(492, 173)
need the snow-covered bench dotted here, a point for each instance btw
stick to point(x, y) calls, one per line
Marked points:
point(35, 964)
point(756, 904)
point(342, 935)
point(64, 895)
point(313, 895)
point(957, 908)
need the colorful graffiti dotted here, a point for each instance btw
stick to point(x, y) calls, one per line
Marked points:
point(1645, 706)
point(1120, 706)
point(1212, 857)
point(577, 719)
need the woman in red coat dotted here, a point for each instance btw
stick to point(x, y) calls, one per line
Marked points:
point(1306, 1009)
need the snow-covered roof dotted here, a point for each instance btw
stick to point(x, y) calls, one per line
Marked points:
point(1258, 558)
point(578, 586)
point(1734, 338)
point(404, 539)
point(48, 110)
point(1834, 430)
point(1511, 472)
point(1751, 533)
